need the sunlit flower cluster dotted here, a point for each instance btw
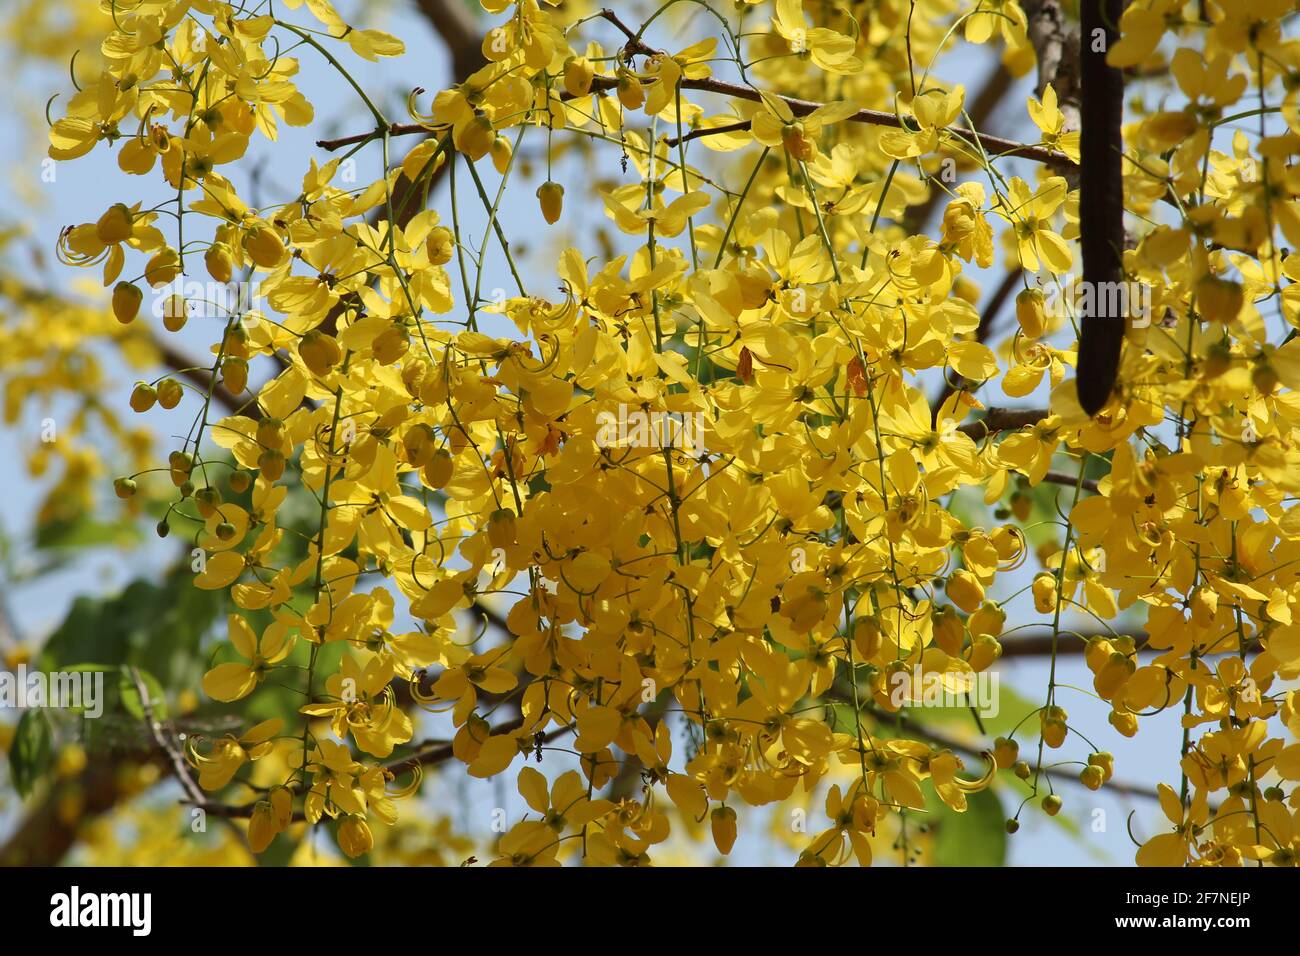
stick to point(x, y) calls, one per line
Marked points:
point(848, 516)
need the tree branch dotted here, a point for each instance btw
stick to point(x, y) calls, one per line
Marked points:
point(1003, 420)
point(798, 107)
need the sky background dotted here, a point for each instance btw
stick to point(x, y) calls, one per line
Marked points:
point(85, 187)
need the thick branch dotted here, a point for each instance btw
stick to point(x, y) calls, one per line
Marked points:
point(455, 24)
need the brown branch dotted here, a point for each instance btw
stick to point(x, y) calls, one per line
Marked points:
point(994, 144)
point(957, 746)
point(798, 107)
point(982, 333)
point(1056, 44)
point(1040, 645)
point(1003, 420)
point(991, 94)
point(163, 738)
point(456, 25)
point(47, 833)
point(634, 43)
point(804, 107)
point(1061, 478)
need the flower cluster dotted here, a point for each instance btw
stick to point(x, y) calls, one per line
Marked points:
point(860, 503)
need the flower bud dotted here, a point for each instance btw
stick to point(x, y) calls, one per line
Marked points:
point(438, 471)
point(170, 393)
point(578, 74)
point(990, 620)
point(964, 590)
point(551, 197)
point(949, 632)
point(1264, 378)
point(261, 827)
point(867, 638)
point(271, 464)
point(723, 823)
point(1103, 760)
point(319, 352)
point(126, 301)
point(239, 481)
point(391, 344)
point(1044, 589)
point(440, 246)
point(115, 225)
point(207, 501)
point(234, 373)
point(501, 528)
point(143, 397)
point(1005, 752)
point(501, 153)
point(630, 91)
point(163, 267)
point(1218, 300)
point(420, 443)
point(795, 142)
point(476, 137)
point(220, 261)
point(355, 837)
point(270, 432)
point(175, 313)
point(235, 341)
point(984, 650)
point(1052, 720)
point(1218, 359)
point(1123, 721)
point(1031, 312)
point(264, 247)
point(180, 465)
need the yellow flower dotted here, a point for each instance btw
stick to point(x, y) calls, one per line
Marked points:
point(227, 682)
point(1051, 122)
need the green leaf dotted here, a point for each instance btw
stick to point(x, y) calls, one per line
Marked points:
point(1012, 709)
point(85, 531)
point(130, 693)
point(160, 626)
point(31, 751)
point(281, 850)
point(974, 838)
